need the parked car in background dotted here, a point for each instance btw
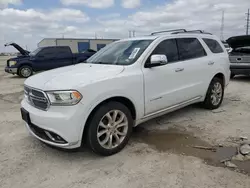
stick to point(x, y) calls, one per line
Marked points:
point(126, 83)
point(239, 55)
point(44, 58)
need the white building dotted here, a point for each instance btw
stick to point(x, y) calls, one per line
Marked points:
point(76, 45)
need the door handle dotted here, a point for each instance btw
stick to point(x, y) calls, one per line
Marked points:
point(210, 63)
point(179, 69)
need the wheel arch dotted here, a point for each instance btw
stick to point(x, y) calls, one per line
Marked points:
point(217, 75)
point(121, 99)
point(220, 76)
point(24, 64)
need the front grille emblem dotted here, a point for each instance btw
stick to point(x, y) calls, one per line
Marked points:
point(36, 98)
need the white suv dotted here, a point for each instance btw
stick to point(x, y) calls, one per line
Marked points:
point(124, 84)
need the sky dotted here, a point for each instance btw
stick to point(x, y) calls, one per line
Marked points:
point(27, 22)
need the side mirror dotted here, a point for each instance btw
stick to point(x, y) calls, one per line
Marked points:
point(157, 60)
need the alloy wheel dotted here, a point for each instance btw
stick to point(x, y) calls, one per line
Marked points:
point(112, 129)
point(217, 92)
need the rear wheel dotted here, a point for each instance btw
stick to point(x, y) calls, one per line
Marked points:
point(109, 129)
point(215, 94)
point(25, 71)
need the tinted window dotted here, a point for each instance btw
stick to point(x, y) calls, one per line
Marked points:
point(47, 53)
point(168, 48)
point(213, 45)
point(190, 48)
point(35, 52)
point(62, 52)
point(54, 52)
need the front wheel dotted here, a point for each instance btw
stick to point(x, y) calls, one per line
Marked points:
point(110, 129)
point(25, 71)
point(215, 94)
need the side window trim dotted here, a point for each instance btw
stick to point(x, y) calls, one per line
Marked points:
point(221, 50)
point(148, 58)
point(205, 53)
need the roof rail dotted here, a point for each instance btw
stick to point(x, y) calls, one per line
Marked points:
point(166, 31)
point(192, 31)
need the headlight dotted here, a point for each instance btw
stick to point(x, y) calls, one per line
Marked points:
point(12, 63)
point(64, 98)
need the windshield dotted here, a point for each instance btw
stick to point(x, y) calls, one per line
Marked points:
point(120, 53)
point(35, 52)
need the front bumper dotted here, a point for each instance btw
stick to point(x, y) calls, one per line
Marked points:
point(237, 69)
point(66, 122)
point(10, 70)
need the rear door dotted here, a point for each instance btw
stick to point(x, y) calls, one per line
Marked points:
point(218, 58)
point(194, 63)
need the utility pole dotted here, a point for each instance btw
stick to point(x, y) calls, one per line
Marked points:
point(248, 20)
point(222, 27)
point(133, 33)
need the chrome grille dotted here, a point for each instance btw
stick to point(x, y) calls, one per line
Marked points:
point(36, 98)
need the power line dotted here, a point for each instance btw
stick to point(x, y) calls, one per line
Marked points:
point(248, 20)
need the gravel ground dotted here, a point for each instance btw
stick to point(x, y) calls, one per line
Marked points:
point(26, 162)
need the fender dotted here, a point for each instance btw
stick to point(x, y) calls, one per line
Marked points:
point(103, 97)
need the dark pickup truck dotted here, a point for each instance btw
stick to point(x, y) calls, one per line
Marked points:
point(239, 55)
point(44, 58)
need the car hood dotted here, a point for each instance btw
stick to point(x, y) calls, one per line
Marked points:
point(72, 77)
point(19, 48)
point(239, 41)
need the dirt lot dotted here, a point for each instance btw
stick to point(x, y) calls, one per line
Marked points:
point(160, 154)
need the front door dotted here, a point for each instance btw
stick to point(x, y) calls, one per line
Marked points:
point(43, 60)
point(163, 84)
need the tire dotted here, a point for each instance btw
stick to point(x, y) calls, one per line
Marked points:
point(232, 76)
point(210, 102)
point(101, 115)
point(25, 71)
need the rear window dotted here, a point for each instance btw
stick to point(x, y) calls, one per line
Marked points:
point(190, 48)
point(213, 45)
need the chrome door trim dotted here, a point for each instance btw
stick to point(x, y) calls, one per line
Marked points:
point(172, 107)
